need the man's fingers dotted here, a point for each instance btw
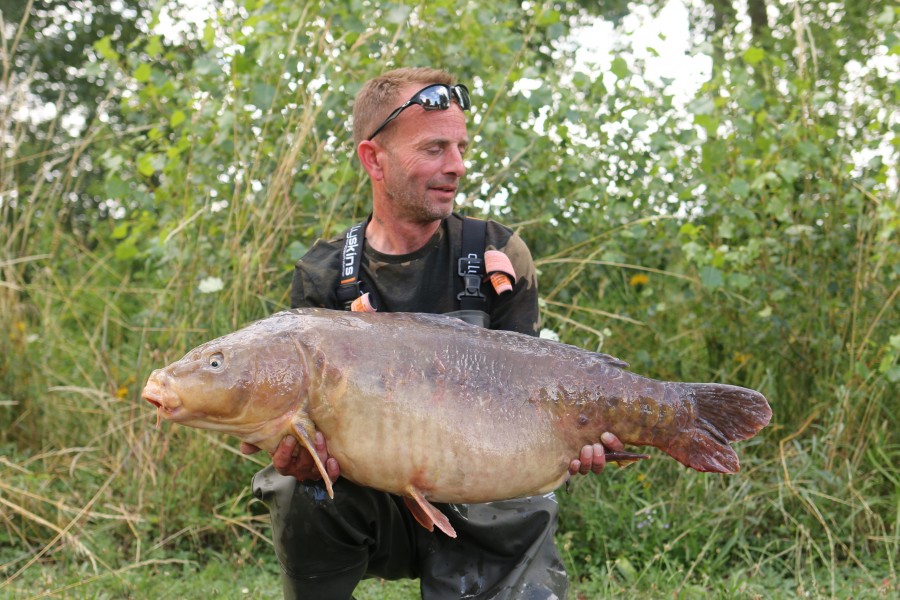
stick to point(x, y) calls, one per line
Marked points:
point(575, 467)
point(290, 458)
point(587, 459)
point(321, 447)
point(611, 441)
point(248, 448)
point(592, 458)
point(284, 453)
point(332, 468)
point(599, 458)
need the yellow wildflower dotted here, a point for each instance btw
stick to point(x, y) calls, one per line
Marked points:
point(639, 279)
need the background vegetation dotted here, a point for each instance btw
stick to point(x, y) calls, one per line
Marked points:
point(158, 180)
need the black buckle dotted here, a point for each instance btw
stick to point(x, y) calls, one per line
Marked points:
point(470, 269)
point(348, 292)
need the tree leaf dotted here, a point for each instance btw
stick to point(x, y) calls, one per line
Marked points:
point(619, 68)
point(153, 47)
point(104, 47)
point(789, 170)
point(711, 277)
point(754, 55)
point(177, 118)
point(142, 73)
point(145, 164)
point(739, 187)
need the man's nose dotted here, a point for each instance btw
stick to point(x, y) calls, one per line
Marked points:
point(454, 163)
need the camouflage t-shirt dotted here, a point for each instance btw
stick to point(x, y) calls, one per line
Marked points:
point(426, 280)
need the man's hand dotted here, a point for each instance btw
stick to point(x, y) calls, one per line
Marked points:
point(593, 457)
point(294, 460)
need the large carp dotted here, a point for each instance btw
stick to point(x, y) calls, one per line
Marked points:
point(436, 410)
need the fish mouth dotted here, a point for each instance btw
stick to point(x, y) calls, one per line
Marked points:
point(162, 411)
point(153, 401)
point(153, 397)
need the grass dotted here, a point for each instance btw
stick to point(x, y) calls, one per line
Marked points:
point(235, 577)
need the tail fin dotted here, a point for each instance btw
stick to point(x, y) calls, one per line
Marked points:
point(723, 414)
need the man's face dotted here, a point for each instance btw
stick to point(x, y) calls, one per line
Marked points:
point(424, 163)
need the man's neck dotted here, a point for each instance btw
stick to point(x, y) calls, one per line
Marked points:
point(398, 237)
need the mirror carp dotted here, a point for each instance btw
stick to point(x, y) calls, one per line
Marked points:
point(436, 410)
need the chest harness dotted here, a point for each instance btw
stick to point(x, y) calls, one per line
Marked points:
point(474, 265)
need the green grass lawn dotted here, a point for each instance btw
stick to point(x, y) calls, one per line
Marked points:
point(234, 578)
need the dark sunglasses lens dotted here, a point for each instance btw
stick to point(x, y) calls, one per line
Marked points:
point(462, 96)
point(434, 98)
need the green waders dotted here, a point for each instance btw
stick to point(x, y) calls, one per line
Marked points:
point(505, 549)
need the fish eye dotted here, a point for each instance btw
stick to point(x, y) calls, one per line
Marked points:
point(216, 360)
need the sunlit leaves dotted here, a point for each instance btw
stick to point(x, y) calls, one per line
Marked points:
point(753, 55)
point(148, 164)
point(177, 118)
point(619, 68)
point(142, 73)
point(104, 47)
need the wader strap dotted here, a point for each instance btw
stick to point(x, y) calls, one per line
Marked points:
point(349, 288)
point(471, 264)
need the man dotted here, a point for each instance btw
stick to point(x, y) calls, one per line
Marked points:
point(410, 131)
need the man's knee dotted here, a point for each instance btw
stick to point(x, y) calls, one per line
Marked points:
point(316, 535)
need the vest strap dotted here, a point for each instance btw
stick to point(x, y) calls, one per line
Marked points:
point(349, 288)
point(470, 265)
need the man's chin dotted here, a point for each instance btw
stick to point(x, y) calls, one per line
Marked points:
point(436, 211)
point(443, 214)
point(443, 205)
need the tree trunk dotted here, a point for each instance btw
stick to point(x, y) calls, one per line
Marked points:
point(760, 34)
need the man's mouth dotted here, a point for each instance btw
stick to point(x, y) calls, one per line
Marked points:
point(446, 189)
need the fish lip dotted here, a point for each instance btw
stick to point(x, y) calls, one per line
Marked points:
point(154, 402)
point(171, 412)
point(152, 398)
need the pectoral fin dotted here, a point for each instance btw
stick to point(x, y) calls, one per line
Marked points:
point(304, 438)
point(624, 458)
point(426, 513)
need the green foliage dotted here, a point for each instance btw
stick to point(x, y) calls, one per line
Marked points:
point(748, 235)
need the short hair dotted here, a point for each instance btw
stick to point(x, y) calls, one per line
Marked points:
point(378, 97)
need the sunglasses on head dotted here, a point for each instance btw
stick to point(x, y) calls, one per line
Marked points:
point(433, 97)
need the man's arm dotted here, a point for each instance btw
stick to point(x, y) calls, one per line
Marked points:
point(516, 310)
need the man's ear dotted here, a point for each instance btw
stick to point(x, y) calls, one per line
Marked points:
point(370, 157)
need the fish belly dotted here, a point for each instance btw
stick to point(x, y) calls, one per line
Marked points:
point(442, 413)
point(450, 446)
